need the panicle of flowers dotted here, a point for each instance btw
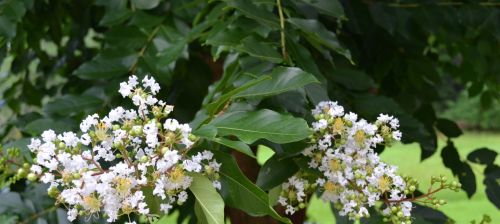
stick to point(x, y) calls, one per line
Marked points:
point(352, 176)
point(107, 167)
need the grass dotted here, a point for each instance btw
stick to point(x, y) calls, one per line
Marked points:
point(406, 157)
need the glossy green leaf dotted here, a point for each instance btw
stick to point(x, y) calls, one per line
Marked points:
point(262, 124)
point(317, 34)
point(352, 79)
point(217, 105)
point(236, 188)
point(70, 104)
point(236, 145)
point(108, 64)
point(283, 79)
point(208, 199)
point(260, 49)
point(275, 171)
point(38, 126)
point(257, 12)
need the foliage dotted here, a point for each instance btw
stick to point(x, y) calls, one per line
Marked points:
point(247, 61)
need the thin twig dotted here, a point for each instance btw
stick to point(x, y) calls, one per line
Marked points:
point(282, 26)
point(133, 67)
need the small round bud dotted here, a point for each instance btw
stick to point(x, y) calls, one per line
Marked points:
point(412, 188)
point(400, 214)
point(116, 127)
point(144, 159)
point(31, 177)
point(302, 205)
point(61, 145)
point(21, 172)
point(26, 165)
point(77, 176)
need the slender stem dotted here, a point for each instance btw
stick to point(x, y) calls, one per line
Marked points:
point(133, 67)
point(282, 26)
point(415, 198)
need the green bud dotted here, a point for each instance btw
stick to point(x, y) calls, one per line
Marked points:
point(32, 177)
point(400, 214)
point(53, 192)
point(136, 130)
point(412, 188)
point(443, 179)
point(116, 127)
point(26, 165)
point(21, 172)
point(61, 145)
point(302, 205)
point(144, 159)
point(77, 176)
point(394, 209)
point(442, 202)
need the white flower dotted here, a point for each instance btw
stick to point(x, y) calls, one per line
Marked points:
point(49, 136)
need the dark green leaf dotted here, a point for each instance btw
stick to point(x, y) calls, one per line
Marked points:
point(217, 105)
point(426, 215)
point(236, 188)
point(448, 128)
point(275, 171)
point(69, 104)
point(317, 34)
point(328, 7)
point(108, 64)
point(282, 79)
point(208, 199)
point(259, 13)
point(352, 79)
point(145, 4)
point(38, 126)
point(483, 156)
point(236, 145)
point(462, 170)
point(260, 49)
point(491, 180)
point(265, 124)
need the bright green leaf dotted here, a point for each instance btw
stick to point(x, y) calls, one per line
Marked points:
point(262, 124)
point(208, 199)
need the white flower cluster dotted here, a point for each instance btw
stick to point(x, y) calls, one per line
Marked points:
point(352, 175)
point(109, 165)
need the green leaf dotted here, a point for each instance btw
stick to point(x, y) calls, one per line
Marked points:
point(492, 175)
point(206, 131)
point(241, 193)
point(352, 79)
point(317, 34)
point(257, 12)
point(109, 63)
point(145, 4)
point(266, 124)
point(462, 170)
point(260, 49)
point(483, 156)
point(70, 104)
point(11, 12)
point(448, 128)
point(237, 145)
point(217, 105)
point(283, 79)
point(207, 199)
point(275, 171)
point(38, 126)
point(328, 7)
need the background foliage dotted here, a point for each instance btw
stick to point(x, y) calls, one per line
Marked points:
point(241, 62)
